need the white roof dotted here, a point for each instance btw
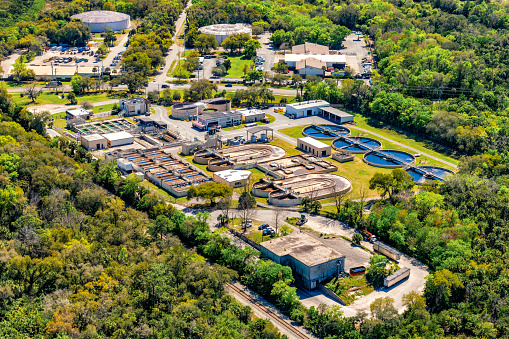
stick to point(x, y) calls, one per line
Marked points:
point(78, 111)
point(118, 136)
point(233, 175)
point(247, 112)
point(92, 137)
point(313, 142)
point(333, 58)
point(309, 104)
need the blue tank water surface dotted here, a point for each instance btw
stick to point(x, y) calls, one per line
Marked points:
point(326, 131)
point(389, 158)
point(422, 174)
point(356, 144)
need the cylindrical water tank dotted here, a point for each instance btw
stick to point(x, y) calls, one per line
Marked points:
point(263, 136)
point(253, 138)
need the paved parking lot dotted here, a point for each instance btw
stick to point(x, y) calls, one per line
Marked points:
point(267, 51)
point(354, 50)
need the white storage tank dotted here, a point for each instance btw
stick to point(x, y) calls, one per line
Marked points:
point(101, 21)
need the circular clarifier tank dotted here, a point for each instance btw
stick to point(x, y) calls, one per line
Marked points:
point(356, 144)
point(389, 159)
point(422, 174)
point(325, 132)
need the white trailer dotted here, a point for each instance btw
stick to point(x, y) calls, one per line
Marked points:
point(386, 250)
point(397, 276)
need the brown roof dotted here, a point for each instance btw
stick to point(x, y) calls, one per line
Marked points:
point(310, 48)
point(302, 247)
point(309, 62)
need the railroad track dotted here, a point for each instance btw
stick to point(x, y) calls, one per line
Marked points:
point(265, 309)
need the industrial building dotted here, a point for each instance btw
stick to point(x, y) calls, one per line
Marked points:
point(78, 113)
point(223, 119)
point(189, 110)
point(233, 178)
point(331, 60)
point(93, 142)
point(251, 115)
point(101, 21)
point(119, 138)
point(311, 261)
point(222, 31)
point(318, 107)
point(310, 48)
point(310, 66)
point(306, 108)
point(130, 107)
point(313, 146)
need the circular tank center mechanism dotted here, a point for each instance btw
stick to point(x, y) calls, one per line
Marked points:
point(389, 158)
point(421, 174)
point(325, 132)
point(356, 144)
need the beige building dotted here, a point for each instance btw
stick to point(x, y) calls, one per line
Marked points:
point(311, 261)
point(78, 113)
point(310, 66)
point(93, 142)
point(313, 146)
point(251, 115)
point(310, 48)
point(130, 107)
point(233, 178)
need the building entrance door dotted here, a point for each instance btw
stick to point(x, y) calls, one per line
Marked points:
point(313, 285)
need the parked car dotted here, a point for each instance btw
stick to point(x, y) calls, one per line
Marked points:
point(228, 85)
point(164, 86)
point(262, 227)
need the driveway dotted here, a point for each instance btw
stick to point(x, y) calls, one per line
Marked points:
point(9, 61)
point(354, 50)
point(267, 51)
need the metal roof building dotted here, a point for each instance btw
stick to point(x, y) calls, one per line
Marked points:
point(222, 31)
point(119, 138)
point(313, 146)
point(101, 21)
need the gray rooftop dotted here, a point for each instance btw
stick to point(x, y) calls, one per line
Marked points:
point(218, 115)
point(309, 104)
point(336, 111)
point(302, 247)
point(101, 16)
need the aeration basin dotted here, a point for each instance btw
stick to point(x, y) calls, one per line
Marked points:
point(356, 145)
point(325, 132)
point(389, 159)
point(421, 174)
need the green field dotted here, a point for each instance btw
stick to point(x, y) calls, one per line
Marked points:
point(236, 71)
point(102, 108)
point(341, 287)
point(52, 98)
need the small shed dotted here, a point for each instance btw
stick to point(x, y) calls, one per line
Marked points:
point(233, 178)
point(78, 113)
point(313, 146)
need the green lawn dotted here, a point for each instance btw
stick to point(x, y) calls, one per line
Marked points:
point(12, 84)
point(58, 115)
point(52, 98)
point(236, 71)
point(59, 123)
point(162, 193)
point(102, 108)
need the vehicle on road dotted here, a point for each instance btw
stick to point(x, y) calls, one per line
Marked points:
point(302, 220)
point(228, 85)
point(264, 226)
point(164, 86)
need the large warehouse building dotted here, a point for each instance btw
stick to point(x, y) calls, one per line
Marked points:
point(101, 21)
point(222, 31)
point(311, 261)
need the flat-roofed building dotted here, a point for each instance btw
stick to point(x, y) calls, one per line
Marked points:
point(233, 178)
point(130, 107)
point(119, 139)
point(251, 115)
point(223, 119)
point(306, 108)
point(313, 146)
point(93, 142)
point(310, 260)
point(336, 115)
point(310, 48)
point(78, 113)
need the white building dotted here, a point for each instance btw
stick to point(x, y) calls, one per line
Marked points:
point(233, 178)
point(310, 66)
point(132, 107)
point(119, 139)
point(313, 146)
point(330, 60)
point(93, 142)
point(306, 108)
point(78, 113)
point(318, 107)
point(223, 119)
point(251, 115)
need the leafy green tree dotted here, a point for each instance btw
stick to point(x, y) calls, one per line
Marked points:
point(357, 238)
point(250, 47)
point(109, 38)
point(286, 296)
point(200, 90)
point(210, 191)
point(72, 98)
point(391, 184)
